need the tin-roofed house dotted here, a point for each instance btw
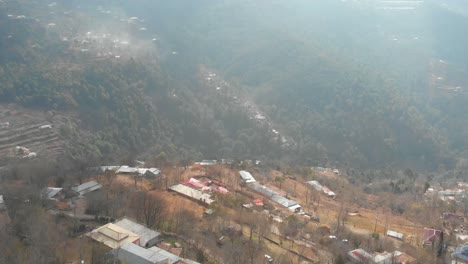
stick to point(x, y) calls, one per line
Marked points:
point(246, 176)
point(460, 256)
point(87, 187)
point(148, 237)
point(394, 234)
point(113, 236)
point(130, 253)
point(359, 256)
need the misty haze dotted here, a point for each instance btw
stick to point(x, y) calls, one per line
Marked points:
point(233, 131)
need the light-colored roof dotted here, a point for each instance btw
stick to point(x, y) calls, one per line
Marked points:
point(131, 253)
point(403, 258)
point(87, 187)
point(193, 193)
point(141, 171)
point(2, 203)
point(154, 171)
point(127, 169)
point(394, 234)
point(246, 176)
point(274, 196)
point(134, 254)
point(50, 192)
point(316, 185)
point(383, 258)
point(144, 232)
point(110, 168)
point(461, 252)
point(113, 236)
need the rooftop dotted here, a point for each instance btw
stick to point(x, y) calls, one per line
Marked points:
point(403, 258)
point(274, 196)
point(146, 234)
point(394, 234)
point(113, 236)
point(360, 255)
point(87, 187)
point(131, 253)
point(50, 192)
point(461, 252)
point(192, 193)
point(246, 176)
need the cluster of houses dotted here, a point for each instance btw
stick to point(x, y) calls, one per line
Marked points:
point(134, 171)
point(456, 194)
point(361, 256)
point(65, 198)
point(199, 189)
point(269, 193)
point(132, 242)
point(320, 188)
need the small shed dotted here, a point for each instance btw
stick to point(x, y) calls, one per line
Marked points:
point(394, 234)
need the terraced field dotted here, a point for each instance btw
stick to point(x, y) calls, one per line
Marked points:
point(25, 130)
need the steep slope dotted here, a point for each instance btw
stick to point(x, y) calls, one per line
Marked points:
point(108, 70)
point(347, 80)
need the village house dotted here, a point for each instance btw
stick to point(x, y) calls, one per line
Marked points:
point(403, 258)
point(193, 194)
point(148, 237)
point(394, 234)
point(320, 188)
point(430, 236)
point(359, 256)
point(146, 172)
point(274, 196)
point(460, 256)
point(131, 253)
point(87, 187)
point(113, 236)
point(207, 162)
point(246, 176)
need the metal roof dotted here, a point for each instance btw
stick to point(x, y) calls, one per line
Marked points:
point(461, 252)
point(246, 176)
point(394, 234)
point(127, 169)
point(146, 234)
point(113, 236)
point(316, 185)
point(193, 193)
point(360, 255)
point(50, 192)
point(131, 253)
point(87, 187)
point(274, 196)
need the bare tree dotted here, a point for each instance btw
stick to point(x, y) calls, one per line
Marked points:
point(149, 208)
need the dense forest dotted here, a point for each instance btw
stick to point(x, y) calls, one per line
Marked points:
point(354, 91)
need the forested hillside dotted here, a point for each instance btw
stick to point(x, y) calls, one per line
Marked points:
point(55, 57)
point(350, 82)
point(343, 81)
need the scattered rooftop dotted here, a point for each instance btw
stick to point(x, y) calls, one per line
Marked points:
point(246, 176)
point(87, 187)
point(148, 237)
point(461, 253)
point(192, 193)
point(113, 235)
